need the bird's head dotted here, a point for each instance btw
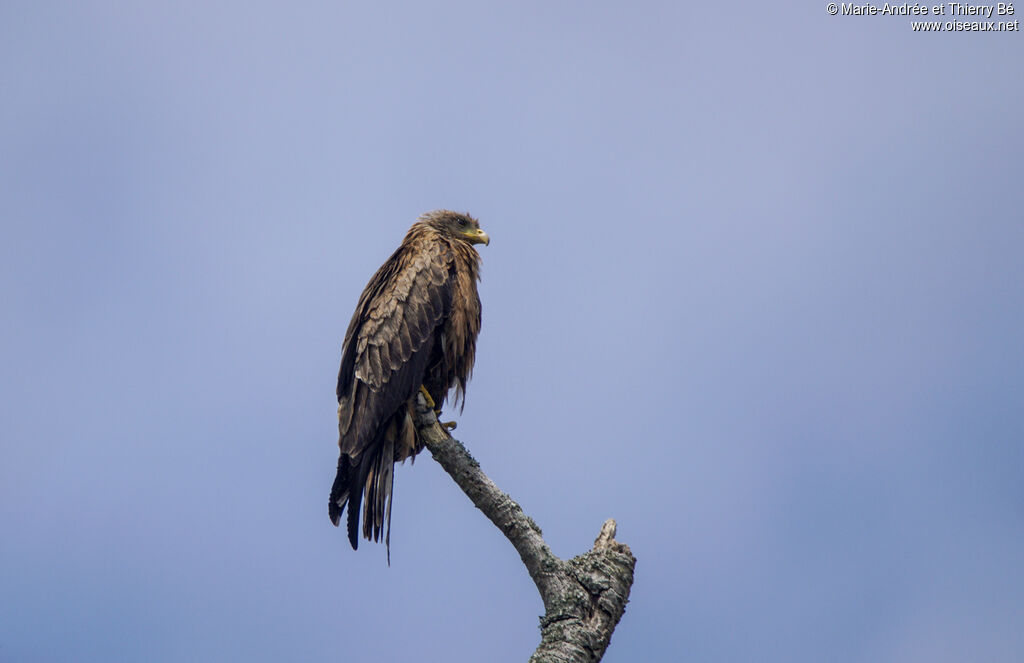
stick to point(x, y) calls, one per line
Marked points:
point(456, 225)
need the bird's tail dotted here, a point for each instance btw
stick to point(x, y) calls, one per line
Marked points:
point(369, 482)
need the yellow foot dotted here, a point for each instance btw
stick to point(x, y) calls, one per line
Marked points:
point(449, 425)
point(427, 398)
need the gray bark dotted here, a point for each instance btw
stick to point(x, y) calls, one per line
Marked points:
point(584, 597)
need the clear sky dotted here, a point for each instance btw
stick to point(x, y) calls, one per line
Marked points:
point(754, 290)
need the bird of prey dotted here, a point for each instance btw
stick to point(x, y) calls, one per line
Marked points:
point(413, 331)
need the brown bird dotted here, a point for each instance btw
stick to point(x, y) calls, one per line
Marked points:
point(414, 330)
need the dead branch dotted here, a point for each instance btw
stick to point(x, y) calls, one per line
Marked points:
point(584, 597)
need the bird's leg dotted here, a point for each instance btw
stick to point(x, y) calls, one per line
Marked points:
point(447, 425)
point(428, 399)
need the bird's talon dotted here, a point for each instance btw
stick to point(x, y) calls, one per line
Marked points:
point(428, 399)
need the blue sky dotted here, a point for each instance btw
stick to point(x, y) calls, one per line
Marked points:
point(753, 289)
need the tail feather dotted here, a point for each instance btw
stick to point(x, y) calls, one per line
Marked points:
point(353, 518)
point(355, 498)
point(339, 491)
point(378, 489)
point(346, 492)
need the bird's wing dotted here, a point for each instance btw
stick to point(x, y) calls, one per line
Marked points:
point(390, 338)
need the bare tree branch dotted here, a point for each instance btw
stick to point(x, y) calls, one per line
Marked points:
point(584, 597)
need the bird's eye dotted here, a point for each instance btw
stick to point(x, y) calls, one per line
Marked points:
point(462, 222)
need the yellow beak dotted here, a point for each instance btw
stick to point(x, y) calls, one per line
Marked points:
point(477, 236)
